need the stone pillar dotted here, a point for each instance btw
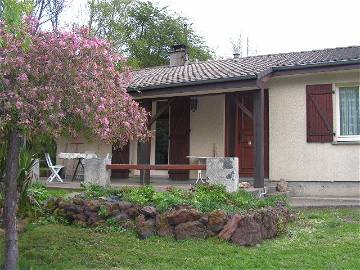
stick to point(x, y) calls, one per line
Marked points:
point(223, 171)
point(95, 171)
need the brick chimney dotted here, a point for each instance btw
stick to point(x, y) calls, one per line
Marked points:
point(178, 55)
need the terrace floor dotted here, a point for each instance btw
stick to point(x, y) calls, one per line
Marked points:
point(160, 183)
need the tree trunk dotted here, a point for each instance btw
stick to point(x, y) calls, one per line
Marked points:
point(11, 196)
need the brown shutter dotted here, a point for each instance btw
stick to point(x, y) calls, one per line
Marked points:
point(319, 113)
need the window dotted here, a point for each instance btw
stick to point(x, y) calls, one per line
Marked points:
point(348, 116)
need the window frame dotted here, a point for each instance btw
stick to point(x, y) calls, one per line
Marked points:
point(339, 137)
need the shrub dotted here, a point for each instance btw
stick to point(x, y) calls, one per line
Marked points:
point(139, 195)
point(166, 200)
point(94, 191)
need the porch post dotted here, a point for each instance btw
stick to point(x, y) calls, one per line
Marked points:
point(145, 149)
point(259, 102)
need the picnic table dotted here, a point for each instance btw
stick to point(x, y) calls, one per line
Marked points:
point(79, 157)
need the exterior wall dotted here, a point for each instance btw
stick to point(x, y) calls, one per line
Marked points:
point(79, 145)
point(207, 124)
point(291, 157)
point(207, 137)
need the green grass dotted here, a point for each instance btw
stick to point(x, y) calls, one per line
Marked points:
point(318, 239)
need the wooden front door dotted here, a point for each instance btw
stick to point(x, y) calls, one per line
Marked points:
point(120, 156)
point(179, 146)
point(245, 136)
point(245, 150)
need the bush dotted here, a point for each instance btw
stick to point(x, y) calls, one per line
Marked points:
point(94, 191)
point(139, 195)
point(206, 198)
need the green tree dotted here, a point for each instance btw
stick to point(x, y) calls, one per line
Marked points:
point(144, 31)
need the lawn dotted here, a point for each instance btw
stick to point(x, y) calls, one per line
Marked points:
point(319, 239)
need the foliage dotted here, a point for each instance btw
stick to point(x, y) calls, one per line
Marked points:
point(141, 195)
point(65, 84)
point(144, 31)
point(206, 198)
point(310, 244)
point(26, 162)
point(93, 191)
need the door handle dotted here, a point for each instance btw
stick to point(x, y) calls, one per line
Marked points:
point(249, 143)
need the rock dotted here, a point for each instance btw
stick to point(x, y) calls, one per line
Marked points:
point(230, 227)
point(282, 186)
point(216, 220)
point(78, 200)
point(92, 205)
point(121, 217)
point(244, 185)
point(204, 219)
point(267, 222)
point(112, 208)
point(149, 211)
point(124, 205)
point(181, 215)
point(248, 232)
point(80, 223)
point(163, 227)
point(52, 203)
point(93, 219)
point(79, 217)
point(132, 212)
point(145, 227)
point(191, 229)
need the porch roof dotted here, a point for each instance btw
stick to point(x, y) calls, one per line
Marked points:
point(245, 68)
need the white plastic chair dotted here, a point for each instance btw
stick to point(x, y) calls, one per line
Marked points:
point(55, 169)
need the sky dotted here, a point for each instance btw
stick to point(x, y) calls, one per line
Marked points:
point(272, 26)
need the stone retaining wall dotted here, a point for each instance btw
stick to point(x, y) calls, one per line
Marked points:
point(180, 222)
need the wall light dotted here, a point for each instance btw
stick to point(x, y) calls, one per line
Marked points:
point(193, 104)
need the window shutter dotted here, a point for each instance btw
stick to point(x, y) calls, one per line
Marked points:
point(319, 113)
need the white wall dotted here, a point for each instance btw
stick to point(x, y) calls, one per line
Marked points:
point(207, 127)
point(291, 157)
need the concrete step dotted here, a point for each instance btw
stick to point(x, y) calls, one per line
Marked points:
point(308, 202)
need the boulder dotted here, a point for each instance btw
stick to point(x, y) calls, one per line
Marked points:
point(52, 203)
point(230, 227)
point(182, 214)
point(191, 229)
point(145, 227)
point(92, 205)
point(121, 217)
point(163, 227)
point(132, 212)
point(267, 221)
point(123, 205)
point(282, 186)
point(248, 232)
point(148, 211)
point(216, 220)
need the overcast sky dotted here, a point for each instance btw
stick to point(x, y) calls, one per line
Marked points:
point(272, 26)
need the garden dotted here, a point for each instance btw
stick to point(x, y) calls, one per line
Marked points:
point(54, 236)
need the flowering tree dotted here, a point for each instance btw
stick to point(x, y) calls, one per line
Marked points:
point(63, 84)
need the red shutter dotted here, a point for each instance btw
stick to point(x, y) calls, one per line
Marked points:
point(319, 113)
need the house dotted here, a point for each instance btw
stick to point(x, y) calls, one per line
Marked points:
point(291, 116)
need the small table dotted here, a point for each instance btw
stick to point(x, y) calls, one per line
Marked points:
point(80, 157)
point(199, 174)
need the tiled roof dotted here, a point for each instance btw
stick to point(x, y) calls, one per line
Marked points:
point(241, 68)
